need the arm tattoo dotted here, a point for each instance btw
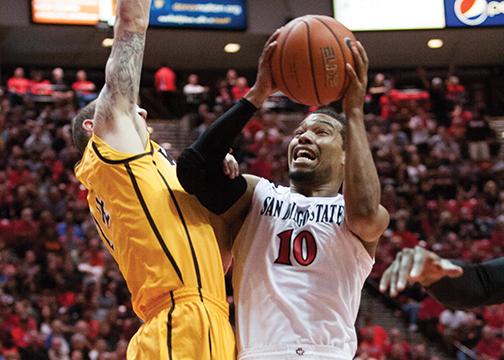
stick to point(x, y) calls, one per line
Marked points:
point(122, 75)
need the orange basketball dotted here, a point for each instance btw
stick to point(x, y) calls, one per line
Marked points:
point(308, 64)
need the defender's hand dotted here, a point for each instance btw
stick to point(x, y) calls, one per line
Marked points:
point(264, 85)
point(356, 92)
point(230, 166)
point(416, 265)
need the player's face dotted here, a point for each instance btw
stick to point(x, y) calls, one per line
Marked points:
point(316, 150)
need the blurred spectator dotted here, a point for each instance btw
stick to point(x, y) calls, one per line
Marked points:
point(60, 88)
point(223, 94)
point(478, 133)
point(375, 93)
point(231, 77)
point(40, 86)
point(455, 92)
point(194, 92)
point(207, 118)
point(439, 103)
point(396, 347)
point(85, 90)
point(489, 347)
point(38, 141)
point(240, 88)
point(421, 127)
point(165, 85)
point(18, 86)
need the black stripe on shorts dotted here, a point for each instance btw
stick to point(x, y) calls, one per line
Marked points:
point(169, 327)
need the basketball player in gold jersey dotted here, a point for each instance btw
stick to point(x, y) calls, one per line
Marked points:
point(161, 238)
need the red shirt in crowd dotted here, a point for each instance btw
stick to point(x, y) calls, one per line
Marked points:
point(261, 168)
point(239, 92)
point(430, 309)
point(379, 336)
point(164, 79)
point(454, 90)
point(84, 87)
point(490, 347)
point(408, 238)
point(19, 333)
point(19, 86)
point(42, 87)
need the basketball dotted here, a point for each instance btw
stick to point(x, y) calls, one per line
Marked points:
point(308, 64)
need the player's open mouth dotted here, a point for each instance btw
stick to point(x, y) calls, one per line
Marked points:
point(303, 155)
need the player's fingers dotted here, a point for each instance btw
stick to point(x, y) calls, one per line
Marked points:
point(273, 36)
point(269, 50)
point(265, 59)
point(365, 62)
point(235, 169)
point(394, 274)
point(404, 269)
point(450, 269)
point(385, 281)
point(419, 259)
point(351, 74)
point(356, 56)
point(225, 167)
point(363, 53)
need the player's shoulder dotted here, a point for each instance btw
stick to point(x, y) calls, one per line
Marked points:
point(86, 166)
point(265, 185)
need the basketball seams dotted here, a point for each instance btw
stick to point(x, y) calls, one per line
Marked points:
point(312, 63)
point(281, 67)
point(342, 51)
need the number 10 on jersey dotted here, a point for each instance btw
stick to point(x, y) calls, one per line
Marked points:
point(304, 248)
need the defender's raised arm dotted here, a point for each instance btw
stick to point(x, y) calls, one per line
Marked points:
point(117, 118)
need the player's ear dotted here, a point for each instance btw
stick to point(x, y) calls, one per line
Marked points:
point(343, 157)
point(88, 125)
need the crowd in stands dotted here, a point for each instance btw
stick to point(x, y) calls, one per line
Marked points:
point(442, 176)
point(62, 296)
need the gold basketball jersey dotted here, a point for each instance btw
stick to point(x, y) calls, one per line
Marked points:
point(159, 235)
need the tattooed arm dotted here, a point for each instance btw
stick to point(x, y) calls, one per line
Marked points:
point(118, 119)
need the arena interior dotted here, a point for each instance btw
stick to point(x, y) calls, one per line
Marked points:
point(434, 115)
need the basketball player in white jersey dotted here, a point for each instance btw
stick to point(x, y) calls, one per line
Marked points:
point(302, 253)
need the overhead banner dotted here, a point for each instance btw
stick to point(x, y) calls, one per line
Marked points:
point(71, 12)
point(377, 15)
point(213, 14)
point(218, 14)
point(474, 13)
point(372, 15)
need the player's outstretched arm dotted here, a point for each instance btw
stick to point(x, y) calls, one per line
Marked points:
point(453, 283)
point(416, 265)
point(199, 168)
point(116, 119)
point(364, 215)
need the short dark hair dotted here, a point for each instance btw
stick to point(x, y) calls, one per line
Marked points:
point(79, 135)
point(340, 118)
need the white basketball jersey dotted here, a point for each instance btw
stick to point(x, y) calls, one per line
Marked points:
point(297, 278)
